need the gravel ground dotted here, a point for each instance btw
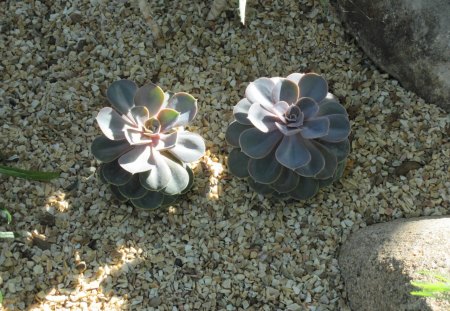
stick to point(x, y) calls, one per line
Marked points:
point(222, 247)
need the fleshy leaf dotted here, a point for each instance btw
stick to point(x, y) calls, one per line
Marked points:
point(287, 130)
point(316, 164)
point(140, 115)
point(233, 132)
point(111, 123)
point(151, 200)
point(257, 144)
point(186, 105)
point(330, 105)
point(259, 188)
point(159, 176)
point(340, 149)
point(116, 193)
point(314, 86)
point(136, 160)
point(167, 141)
point(168, 200)
point(280, 108)
point(306, 188)
point(179, 180)
point(120, 94)
point(115, 174)
point(315, 128)
point(295, 77)
point(308, 106)
point(285, 90)
point(133, 189)
point(330, 163)
point(293, 152)
point(238, 163)
point(240, 111)
point(260, 91)
point(287, 181)
point(136, 137)
point(106, 150)
point(339, 170)
point(191, 179)
point(190, 147)
point(168, 118)
point(339, 128)
point(150, 96)
point(265, 170)
point(261, 118)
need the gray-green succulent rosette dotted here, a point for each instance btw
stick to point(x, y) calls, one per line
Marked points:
point(144, 148)
point(290, 136)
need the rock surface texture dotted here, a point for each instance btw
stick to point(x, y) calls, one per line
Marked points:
point(409, 39)
point(379, 261)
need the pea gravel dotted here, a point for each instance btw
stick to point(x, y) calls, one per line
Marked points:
point(221, 247)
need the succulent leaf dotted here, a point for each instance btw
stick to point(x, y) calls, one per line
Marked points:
point(238, 163)
point(265, 170)
point(286, 91)
point(179, 180)
point(167, 118)
point(150, 96)
point(151, 200)
point(316, 164)
point(166, 141)
point(186, 105)
point(233, 132)
point(339, 128)
point(120, 94)
point(240, 111)
point(111, 123)
point(329, 106)
point(295, 77)
point(191, 180)
point(263, 119)
point(133, 188)
point(136, 160)
point(168, 200)
point(114, 174)
point(135, 136)
point(189, 147)
point(315, 128)
point(314, 86)
point(308, 106)
point(330, 163)
point(293, 152)
point(159, 176)
point(306, 188)
point(257, 144)
point(106, 150)
point(260, 188)
point(340, 149)
point(140, 115)
point(119, 196)
point(287, 181)
point(260, 91)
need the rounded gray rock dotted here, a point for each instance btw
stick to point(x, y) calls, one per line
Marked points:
point(379, 262)
point(409, 39)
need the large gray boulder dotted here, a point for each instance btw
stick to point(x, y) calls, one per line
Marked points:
point(409, 39)
point(378, 263)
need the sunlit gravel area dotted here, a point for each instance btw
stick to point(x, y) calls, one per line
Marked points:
point(221, 246)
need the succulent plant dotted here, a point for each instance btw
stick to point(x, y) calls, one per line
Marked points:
point(144, 147)
point(290, 136)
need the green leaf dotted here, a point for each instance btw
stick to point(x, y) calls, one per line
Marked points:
point(1, 297)
point(4, 212)
point(33, 175)
point(7, 235)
